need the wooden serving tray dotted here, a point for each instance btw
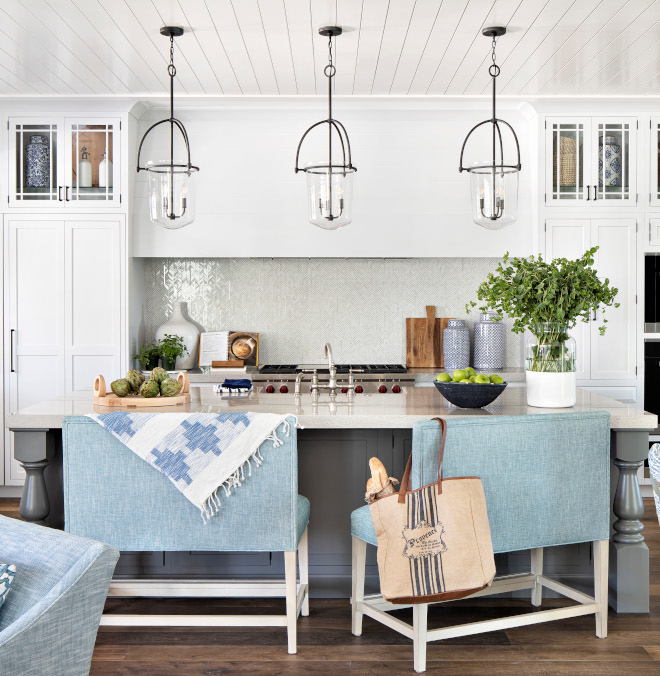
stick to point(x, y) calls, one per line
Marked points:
point(104, 398)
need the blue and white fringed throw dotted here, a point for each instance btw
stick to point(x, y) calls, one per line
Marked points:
point(200, 453)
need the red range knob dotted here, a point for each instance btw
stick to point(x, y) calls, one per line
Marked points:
point(359, 389)
point(396, 389)
point(270, 389)
point(344, 390)
point(284, 389)
point(382, 389)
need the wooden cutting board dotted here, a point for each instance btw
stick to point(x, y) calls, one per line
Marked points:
point(424, 340)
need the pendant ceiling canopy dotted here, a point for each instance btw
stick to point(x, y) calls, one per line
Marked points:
point(494, 183)
point(330, 183)
point(171, 184)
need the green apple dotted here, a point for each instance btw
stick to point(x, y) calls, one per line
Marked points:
point(472, 379)
point(498, 380)
point(465, 380)
point(470, 371)
point(482, 379)
point(443, 378)
point(459, 374)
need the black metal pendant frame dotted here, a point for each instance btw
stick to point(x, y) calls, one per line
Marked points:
point(171, 166)
point(333, 125)
point(494, 70)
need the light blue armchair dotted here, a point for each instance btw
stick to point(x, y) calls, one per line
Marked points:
point(49, 621)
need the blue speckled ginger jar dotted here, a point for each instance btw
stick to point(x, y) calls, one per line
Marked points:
point(37, 162)
point(609, 162)
point(456, 345)
point(488, 343)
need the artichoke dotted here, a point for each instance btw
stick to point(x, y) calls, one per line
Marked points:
point(135, 379)
point(170, 388)
point(158, 374)
point(149, 388)
point(120, 387)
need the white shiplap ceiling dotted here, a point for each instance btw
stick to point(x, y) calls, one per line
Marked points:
point(271, 47)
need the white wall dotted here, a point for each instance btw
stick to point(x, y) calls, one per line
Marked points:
point(410, 200)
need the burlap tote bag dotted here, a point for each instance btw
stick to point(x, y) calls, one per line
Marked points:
point(433, 543)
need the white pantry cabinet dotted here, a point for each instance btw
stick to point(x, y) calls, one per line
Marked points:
point(64, 300)
point(591, 162)
point(46, 164)
point(611, 357)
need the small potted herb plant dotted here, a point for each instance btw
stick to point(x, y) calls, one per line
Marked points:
point(170, 348)
point(547, 299)
point(148, 356)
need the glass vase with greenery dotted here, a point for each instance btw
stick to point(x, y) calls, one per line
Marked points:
point(547, 299)
point(171, 347)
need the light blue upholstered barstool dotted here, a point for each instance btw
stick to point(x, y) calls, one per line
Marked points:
point(547, 482)
point(654, 471)
point(112, 495)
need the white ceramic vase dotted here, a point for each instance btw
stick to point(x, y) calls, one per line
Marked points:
point(178, 325)
point(551, 390)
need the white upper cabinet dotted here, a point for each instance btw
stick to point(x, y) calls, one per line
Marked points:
point(62, 162)
point(590, 162)
point(610, 357)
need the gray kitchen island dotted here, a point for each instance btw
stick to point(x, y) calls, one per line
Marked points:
point(338, 435)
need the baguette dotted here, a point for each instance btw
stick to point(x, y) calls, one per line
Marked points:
point(379, 485)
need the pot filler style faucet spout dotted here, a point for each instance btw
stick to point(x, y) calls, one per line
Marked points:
point(327, 354)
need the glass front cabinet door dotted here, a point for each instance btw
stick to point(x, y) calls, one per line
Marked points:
point(654, 188)
point(590, 162)
point(71, 163)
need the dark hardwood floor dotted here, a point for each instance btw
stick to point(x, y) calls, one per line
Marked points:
point(326, 645)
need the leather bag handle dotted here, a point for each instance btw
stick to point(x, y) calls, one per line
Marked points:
point(406, 482)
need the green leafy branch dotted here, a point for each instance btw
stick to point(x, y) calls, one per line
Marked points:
point(532, 291)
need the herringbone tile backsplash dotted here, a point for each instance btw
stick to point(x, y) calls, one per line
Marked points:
point(299, 304)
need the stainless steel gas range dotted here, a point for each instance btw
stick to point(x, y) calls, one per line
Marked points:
point(360, 378)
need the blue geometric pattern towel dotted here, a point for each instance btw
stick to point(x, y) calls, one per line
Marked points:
point(198, 452)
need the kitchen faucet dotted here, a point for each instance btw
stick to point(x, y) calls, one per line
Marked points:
point(332, 382)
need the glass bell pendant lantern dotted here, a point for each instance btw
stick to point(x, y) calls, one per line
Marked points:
point(171, 184)
point(330, 184)
point(493, 183)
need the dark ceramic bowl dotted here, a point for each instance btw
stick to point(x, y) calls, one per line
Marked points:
point(470, 395)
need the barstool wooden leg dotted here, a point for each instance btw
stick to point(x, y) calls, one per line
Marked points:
point(303, 564)
point(601, 568)
point(420, 612)
point(357, 592)
point(537, 569)
point(291, 599)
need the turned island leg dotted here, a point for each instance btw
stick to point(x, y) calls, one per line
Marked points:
point(629, 569)
point(34, 449)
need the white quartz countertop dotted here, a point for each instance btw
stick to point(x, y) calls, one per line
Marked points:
point(386, 411)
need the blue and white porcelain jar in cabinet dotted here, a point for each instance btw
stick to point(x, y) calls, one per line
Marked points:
point(456, 345)
point(37, 163)
point(488, 343)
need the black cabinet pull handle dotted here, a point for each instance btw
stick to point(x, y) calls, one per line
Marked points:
point(59, 193)
point(11, 351)
point(66, 194)
point(588, 191)
point(595, 193)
